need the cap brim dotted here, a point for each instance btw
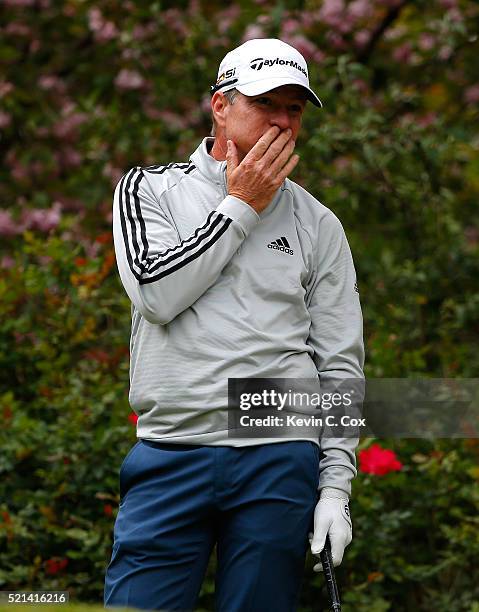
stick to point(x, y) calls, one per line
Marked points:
point(259, 87)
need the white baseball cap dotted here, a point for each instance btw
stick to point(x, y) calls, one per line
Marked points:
point(262, 64)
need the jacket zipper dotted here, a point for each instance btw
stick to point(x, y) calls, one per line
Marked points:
point(223, 184)
point(225, 193)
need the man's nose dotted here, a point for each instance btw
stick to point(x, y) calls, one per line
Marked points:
point(281, 118)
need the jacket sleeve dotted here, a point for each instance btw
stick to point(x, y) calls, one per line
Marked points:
point(336, 335)
point(162, 274)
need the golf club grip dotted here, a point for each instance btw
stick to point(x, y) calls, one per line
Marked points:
point(328, 569)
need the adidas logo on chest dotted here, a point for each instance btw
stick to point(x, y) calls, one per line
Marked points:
point(281, 244)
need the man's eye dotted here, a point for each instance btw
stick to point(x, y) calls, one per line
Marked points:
point(263, 101)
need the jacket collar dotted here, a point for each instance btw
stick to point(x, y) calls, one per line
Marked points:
point(208, 166)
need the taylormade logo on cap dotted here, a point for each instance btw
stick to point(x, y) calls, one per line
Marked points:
point(259, 62)
point(262, 64)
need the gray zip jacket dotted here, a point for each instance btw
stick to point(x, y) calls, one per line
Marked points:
point(219, 291)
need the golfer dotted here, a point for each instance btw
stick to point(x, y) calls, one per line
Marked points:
point(233, 271)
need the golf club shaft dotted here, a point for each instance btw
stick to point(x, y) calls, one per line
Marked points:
point(328, 568)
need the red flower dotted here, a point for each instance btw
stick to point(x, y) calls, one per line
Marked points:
point(54, 565)
point(104, 238)
point(108, 509)
point(97, 354)
point(46, 392)
point(379, 461)
point(132, 417)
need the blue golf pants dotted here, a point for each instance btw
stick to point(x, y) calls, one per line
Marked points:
point(255, 503)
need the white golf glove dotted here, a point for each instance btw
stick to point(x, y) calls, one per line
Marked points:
point(332, 516)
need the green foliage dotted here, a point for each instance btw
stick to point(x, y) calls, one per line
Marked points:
point(65, 429)
point(415, 534)
point(60, 608)
point(90, 89)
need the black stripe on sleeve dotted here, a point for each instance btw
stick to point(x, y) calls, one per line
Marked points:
point(186, 167)
point(124, 227)
point(203, 237)
point(136, 174)
point(194, 241)
point(161, 168)
point(179, 265)
point(154, 167)
point(141, 221)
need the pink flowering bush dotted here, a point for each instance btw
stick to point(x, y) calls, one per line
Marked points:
point(90, 89)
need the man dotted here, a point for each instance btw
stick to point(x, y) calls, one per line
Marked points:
point(234, 271)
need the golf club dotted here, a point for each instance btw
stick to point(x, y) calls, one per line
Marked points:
point(328, 568)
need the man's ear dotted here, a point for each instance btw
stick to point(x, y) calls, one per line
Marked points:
point(219, 104)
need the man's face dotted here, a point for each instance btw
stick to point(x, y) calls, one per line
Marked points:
point(248, 118)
